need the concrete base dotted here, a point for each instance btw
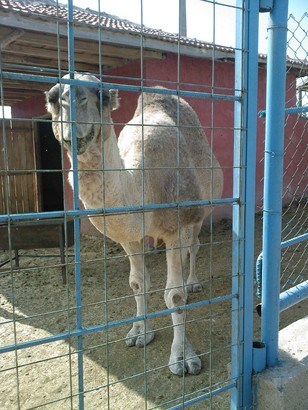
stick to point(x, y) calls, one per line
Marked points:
point(285, 386)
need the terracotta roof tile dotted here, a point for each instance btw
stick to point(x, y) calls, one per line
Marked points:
point(54, 10)
point(49, 8)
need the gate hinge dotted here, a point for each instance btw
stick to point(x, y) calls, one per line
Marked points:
point(265, 5)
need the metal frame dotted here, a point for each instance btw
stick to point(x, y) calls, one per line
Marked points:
point(270, 277)
point(273, 173)
point(243, 200)
point(246, 72)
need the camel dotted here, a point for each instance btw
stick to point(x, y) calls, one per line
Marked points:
point(152, 162)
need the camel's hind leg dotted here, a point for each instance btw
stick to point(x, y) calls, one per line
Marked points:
point(192, 284)
point(183, 358)
point(141, 333)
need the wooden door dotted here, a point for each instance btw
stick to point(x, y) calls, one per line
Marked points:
point(19, 187)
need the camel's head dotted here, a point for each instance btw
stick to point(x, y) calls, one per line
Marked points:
point(92, 111)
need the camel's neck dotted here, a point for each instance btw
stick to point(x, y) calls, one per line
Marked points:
point(109, 188)
point(100, 156)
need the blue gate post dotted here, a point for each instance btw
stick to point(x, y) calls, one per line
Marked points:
point(273, 176)
point(78, 294)
point(244, 176)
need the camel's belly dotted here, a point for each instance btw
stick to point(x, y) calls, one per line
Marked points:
point(119, 228)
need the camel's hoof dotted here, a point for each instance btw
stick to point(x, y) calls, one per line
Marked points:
point(130, 341)
point(180, 367)
point(139, 340)
point(194, 365)
point(194, 287)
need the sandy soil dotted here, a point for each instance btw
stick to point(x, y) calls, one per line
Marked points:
point(35, 304)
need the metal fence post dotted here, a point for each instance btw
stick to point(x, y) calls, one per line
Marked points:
point(78, 292)
point(245, 136)
point(273, 176)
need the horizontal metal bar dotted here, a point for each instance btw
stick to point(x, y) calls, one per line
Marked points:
point(294, 241)
point(218, 3)
point(113, 211)
point(6, 75)
point(121, 87)
point(259, 263)
point(126, 79)
point(293, 295)
point(110, 325)
point(166, 91)
point(204, 396)
point(292, 110)
point(290, 297)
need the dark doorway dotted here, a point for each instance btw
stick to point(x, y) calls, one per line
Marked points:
point(51, 180)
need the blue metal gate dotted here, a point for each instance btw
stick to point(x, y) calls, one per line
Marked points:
point(64, 349)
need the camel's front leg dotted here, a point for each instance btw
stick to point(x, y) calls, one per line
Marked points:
point(193, 284)
point(141, 333)
point(183, 358)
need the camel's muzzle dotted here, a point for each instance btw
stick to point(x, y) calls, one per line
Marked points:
point(82, 142)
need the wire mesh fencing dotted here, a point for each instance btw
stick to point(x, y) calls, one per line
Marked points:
point(294, 258)
point(145, 136)
point(294, 200)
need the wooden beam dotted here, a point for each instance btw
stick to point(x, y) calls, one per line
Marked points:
point(23, 85)
point(36, 52)
point(51, 41)
point(53, 63)
point(47, 25)
point(5, 31)
point(10, 38)
point(86, 32)
point(21, 94)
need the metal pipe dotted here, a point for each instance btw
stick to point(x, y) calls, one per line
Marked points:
point(182, 18)
point(204, 396)
point(287, 111)
point(251, 44)
point(73, 118)
point(290, 297)
point(273, 174)
point(259, 356)
point(259, 263)
point(294, 241)
point(115, 210)
point(293, 295)
point(244, 162)
point(120, 87)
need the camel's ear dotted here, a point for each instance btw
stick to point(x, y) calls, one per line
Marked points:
point(114, 100)
point(52, 99)
point(110, 99)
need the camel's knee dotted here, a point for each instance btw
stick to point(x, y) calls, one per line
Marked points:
point(139, 284)
point(135, 286)
point(175, 297)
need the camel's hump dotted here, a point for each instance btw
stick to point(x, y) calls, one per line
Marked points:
point(175, 106)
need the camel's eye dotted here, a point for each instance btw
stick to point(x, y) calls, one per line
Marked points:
point(83, 100)
point(65, 99)
point(64, 103)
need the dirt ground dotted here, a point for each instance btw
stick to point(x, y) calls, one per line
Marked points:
point(35, 304)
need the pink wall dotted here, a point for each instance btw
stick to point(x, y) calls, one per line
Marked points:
point(30, 108)
point(215, 115)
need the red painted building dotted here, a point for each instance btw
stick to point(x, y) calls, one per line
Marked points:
point(196, 70)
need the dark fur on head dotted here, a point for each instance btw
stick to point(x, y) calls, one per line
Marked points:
point(109, 98)
point(52, 98)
